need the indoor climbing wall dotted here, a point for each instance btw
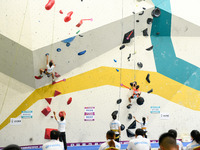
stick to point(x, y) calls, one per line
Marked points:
point(97, 53)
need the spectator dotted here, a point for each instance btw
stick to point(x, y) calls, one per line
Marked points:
point(110, 141)
point(143, 124)
point(54, 144)
point(115, 126)
point(179, 143)
point(12, 147)
point(139, 143)
point(167, 142)
point(195, 135)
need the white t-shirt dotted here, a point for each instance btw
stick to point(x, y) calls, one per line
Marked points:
point(114, 125)
point(61, 125)
point(139, 143)
point(50, 69)
point(192, 145)
point(105, 145)
point(53, 145)
point(143, 125)
point(180, 145)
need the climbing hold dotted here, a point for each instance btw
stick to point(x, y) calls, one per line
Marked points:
point(123, 46)
point(158, 33)
point(51, 116)
point(133, 12)
point(56, 93)
point(150, 91)
point(77, 31)
point(61, 12)
point(114, 113)
point(57, 75)
point(144, 8)
point(149, 20)
point(47, 54)
point(128, 36)
point(140, 100)
point(38, 77)
point(81, 22)
point(69, 101)
point(147, 78)
point(145, 32)
point(139, 64)
point(129, 106)
point(62, 113)
point(129, 57)
point(137, 21)
point(68, 17)
point(46, 111)
point(119, 101)
point(129, 116)
point(156, 12)
point(132, 125)
point(68, 44)
point(69, 40)
point(58, 49)
point(48, 100)
point(50, 4)
point(150, 48)
point(81, 53)
point(80, 35)
point(47, 133)
point(122, 127)
point(117, 70)
point(141, 13)
point(129, 133)
point(115, 60)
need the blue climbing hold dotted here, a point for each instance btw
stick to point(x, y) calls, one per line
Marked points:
point(117, 70)
point(81, 53)
point(46, 54)
point(69, 39)
point(58, 49)
point(68, 44)
point(115, 60)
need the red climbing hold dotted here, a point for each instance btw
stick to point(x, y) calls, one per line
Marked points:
point(79, 24)
point(57, 75)
point(50, 4)
point(68, 17)
point(46, 110)
point(61, 12)
point(56, 93)
point(38, 77)
point(61, 113)
point(69, 101)
point(48, 100)
point(47, 133)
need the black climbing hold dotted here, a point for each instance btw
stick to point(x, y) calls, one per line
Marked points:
point(129, 116)
point(158, 33)
point(129, 133)
point(149, 20)
point(119, 101)
point(147, 78)
point(150, 48)
point(156, 12)
point(137, 21)
point(121, 47)
point(140, 100)
point(122, 127)
point(144, 8)
point(67, 44)
point(114, 113)
point(132, 125)
point(141, 13)
point(133, 12)
point(150, 91)
point(129, 106)
point(46, 54)
point(80, 35)
point(133, 83)
point(145, 32)
point(139, 64)
point(129, 57)
point(128, 36)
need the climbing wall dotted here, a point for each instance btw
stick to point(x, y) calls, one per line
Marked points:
point(94, 59)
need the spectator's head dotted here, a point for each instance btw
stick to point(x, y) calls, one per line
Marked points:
point(173, 132)
point(50, 63)
point(110, 135)
point(167, 142)
point(144, 120)
point(139, 132)
point(62, 118)
point(114, 117)
point(54, 134)
point(12, 147)
point(195, 135)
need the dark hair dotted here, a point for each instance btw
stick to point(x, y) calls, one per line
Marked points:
point(111, 135)
point(54, 134)
point(12, 147)
point(139, 132)
point(173, 132)
point(50, 63)
point(167, 140)
point(144, 120)
point(195, 135)
point(137, 87)
point(114, 117)
point(62, 118)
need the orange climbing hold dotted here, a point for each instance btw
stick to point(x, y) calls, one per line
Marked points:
point(56, 93)
point(50, 4)
point(46, 110)
point(69, 101)
point(49, 100)
point(68, 17)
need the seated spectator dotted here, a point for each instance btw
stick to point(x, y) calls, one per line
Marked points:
point(110, 143)
point(115, 126)
point(195, 135)
point(139, 143)
point(179, 143)
point(167, 142)
point(54, 144)
point(12, 147)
